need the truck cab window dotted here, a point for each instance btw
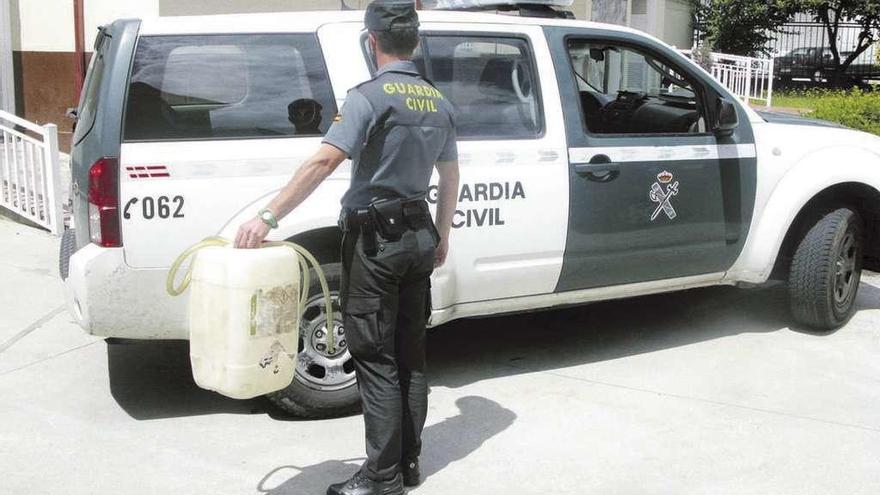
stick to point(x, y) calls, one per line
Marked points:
point(492, 83)
point(624, 91)
point(90, 95)
point(228, 86)
point(490, 80)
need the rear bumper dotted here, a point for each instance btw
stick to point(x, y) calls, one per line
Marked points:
point(110, 299)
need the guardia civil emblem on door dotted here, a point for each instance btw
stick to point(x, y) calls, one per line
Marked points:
point(662, 194)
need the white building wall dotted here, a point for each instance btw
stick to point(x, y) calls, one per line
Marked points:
point(678, 24)
point(47, 25)
point(100, 12)
point(42, 25)
point(7, 81)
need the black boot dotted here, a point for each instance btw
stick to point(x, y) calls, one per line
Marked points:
point(360, 484)
point(411, 474)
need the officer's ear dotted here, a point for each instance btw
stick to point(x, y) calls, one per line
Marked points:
point(373, 43)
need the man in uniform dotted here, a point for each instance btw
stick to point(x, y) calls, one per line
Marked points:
point(395, 128)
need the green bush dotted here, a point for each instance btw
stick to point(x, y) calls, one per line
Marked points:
point(855, 108)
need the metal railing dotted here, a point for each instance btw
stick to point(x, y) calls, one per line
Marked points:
point(30, 180)
point(749, 78)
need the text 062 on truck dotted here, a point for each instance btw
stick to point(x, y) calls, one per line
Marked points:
point(596, 163)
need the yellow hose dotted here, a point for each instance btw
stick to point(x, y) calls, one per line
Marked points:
point(304, 258)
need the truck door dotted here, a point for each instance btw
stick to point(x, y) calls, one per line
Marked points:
point(654, 193)
point(508, 232)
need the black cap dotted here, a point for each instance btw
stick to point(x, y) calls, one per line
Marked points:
point(386, 15)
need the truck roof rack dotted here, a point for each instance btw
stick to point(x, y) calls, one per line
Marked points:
point(527, 8)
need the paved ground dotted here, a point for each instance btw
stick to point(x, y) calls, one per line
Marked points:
point(705, 391)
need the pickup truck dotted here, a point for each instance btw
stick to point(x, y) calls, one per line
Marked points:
point(596, 162)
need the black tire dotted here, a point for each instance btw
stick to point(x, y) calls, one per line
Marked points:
point(307, 396)
point(825, 271)
point(68, 247)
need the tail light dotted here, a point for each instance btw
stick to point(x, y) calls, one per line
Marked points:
point(104, 203)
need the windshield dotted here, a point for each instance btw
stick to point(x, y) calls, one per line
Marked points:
point(610, 69)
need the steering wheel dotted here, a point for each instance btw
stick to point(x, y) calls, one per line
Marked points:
point(522, 86)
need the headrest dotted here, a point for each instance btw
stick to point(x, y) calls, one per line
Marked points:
point(497, 77)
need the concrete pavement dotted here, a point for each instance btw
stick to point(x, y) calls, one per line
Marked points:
point(703, 391)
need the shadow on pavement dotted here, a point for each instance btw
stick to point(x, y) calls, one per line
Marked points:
point(467, 351)
point(153, 380)
point(450, 440)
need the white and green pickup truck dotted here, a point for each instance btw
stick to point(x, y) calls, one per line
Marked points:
point(596, 163)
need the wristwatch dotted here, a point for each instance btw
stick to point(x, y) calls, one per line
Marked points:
point(268, 218)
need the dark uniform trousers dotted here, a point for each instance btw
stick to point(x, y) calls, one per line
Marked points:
point(385, 302)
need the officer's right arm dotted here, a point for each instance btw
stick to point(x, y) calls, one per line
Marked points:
point(352, 126)
point(345, 138)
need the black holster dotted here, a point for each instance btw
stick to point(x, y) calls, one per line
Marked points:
point(389, 218)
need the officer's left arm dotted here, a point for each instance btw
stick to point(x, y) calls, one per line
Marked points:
point(307, 178)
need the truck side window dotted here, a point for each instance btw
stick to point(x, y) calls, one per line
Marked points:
point(490, 80)
point(227, 87)
point(85, 119)
point(626, 91)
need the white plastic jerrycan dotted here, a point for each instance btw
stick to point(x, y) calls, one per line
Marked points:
point(244, 312)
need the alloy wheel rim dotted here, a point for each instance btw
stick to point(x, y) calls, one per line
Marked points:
point(846, 271)
point(317, 365)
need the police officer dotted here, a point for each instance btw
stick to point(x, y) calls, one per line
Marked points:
point(395, 128)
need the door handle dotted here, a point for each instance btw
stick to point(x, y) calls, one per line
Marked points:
point(599, 169)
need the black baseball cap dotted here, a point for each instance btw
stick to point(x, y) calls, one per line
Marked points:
point(387, 15)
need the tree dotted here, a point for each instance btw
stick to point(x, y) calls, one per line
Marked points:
point(866, 13)
point(740, 27)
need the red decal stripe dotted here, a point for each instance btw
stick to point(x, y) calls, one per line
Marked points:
point(148, 171)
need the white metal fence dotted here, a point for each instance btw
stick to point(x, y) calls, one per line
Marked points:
point(749, 78)
point(30, 181)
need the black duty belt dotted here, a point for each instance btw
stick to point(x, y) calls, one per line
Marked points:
point(388, 218)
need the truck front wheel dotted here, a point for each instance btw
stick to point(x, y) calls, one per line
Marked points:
point(324, 384)
point(825, 271)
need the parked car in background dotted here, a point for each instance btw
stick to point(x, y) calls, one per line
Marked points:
point(816, 64)
point(804, 63)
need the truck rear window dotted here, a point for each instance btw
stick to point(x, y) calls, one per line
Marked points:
point(227, 87)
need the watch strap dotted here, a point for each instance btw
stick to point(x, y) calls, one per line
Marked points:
point(268, 218)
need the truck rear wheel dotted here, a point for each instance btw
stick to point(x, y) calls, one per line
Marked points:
point(825, 271)
point(324, 384)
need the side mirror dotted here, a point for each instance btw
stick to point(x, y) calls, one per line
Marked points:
point(726, 119)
